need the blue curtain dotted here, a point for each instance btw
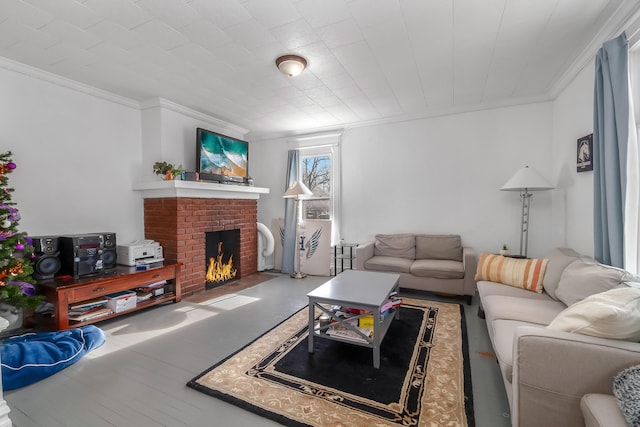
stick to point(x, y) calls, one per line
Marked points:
point(610, 137)
point(290, 220)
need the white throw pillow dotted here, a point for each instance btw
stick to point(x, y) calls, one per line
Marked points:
point(612, 314)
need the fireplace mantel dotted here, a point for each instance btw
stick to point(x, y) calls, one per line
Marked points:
point(204, 190)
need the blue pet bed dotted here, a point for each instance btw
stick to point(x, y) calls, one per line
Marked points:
point(31, 357)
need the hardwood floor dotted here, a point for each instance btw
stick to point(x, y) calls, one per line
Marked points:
point(138, 377)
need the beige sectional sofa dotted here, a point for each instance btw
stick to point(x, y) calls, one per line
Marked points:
point(563, 345)
point(428, 262)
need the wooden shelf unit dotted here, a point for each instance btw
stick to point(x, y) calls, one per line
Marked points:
point(62, 292)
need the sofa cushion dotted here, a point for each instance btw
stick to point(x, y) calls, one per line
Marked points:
point(626, 389)
point(530, 311)
point(395, 245)
point(439, 246)
point(504, 333)
point(387, 263)
point(521, 273)
point(559, 259)
point(612, 314)
point(533, 311)
point(582, 278)
point(438, 268)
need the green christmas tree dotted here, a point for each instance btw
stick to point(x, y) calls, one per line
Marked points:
point(16, 249)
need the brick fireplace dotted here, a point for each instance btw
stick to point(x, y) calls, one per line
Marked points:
point(179, 224)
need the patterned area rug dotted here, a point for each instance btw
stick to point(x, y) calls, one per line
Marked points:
point(423, 380)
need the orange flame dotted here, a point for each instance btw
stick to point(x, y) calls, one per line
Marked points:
point(219, 271)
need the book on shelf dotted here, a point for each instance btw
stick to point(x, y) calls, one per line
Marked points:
point(355, 311)
point(88, 304)
point(393, 302)
point(343, 316)
point(86, 310)
point(153, 285)
point(142, 295)
point(351, 335)
point(367, 321)
point(82, 317)
point(155, 289)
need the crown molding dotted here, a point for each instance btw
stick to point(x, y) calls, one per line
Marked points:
point(270, 136)
point(57, 80)
point(67, 83)
point(226, 127)
point(625, 17)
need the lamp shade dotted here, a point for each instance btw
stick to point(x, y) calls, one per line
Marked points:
point(297, 190)
point(291, 65)
point(527, 179)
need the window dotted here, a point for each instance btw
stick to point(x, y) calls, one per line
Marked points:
point(632, 197)
point(320, 171)
point(316, 174)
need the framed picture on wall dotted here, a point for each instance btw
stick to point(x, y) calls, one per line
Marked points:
point(585, 153)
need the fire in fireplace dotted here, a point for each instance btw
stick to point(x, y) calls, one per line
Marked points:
point(220, 251)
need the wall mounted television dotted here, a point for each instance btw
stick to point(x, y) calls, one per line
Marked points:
point(221, 158)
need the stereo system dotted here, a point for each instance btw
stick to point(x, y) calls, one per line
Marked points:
point(83, 254)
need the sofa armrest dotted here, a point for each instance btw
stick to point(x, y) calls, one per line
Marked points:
point(470, 264)
point(364, 251)
point(552, 370)
point(601, 410)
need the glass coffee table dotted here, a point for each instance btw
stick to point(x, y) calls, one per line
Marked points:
point(364, 291)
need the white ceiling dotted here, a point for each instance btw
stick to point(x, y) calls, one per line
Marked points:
point(369, 60)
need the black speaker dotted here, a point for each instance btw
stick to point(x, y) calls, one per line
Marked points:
point(46, 257)
point(109, 254)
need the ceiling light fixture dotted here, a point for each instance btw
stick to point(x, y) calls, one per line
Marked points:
point(291, 65)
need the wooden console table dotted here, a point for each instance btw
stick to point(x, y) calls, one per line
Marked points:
point(63, 291)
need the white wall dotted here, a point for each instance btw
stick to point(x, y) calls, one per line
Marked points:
point(573, 196)
point(437, 175)
point(169, 134)
point(77, 155)
point(268, 167)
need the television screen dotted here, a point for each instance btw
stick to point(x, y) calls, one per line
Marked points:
point(221, 158)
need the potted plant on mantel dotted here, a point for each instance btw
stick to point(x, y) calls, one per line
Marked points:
point(17, 289)
point(167, 170)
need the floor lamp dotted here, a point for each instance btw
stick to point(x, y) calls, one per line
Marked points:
point(525, 180)
point(297, 192)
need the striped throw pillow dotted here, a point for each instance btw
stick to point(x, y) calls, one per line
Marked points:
point(520, 273)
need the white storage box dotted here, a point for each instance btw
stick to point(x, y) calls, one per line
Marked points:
point(121, 301)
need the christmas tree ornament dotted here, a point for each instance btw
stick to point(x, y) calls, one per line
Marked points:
point(16, 269)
